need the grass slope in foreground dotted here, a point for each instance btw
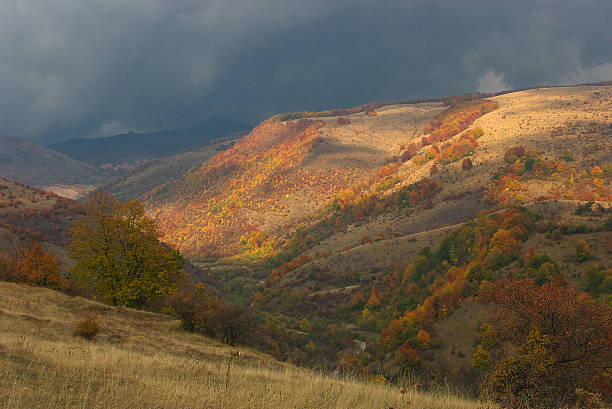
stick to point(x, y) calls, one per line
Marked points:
point(143, 360)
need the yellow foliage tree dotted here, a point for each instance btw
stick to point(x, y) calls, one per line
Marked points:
point(118, 254)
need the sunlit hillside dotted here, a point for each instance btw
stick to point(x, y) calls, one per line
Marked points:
point(143, 360)
point(370, 235)
point(287, 173)
point(375, 242)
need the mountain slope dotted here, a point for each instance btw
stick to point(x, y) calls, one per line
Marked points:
point(143, 360)
point(250, 198)
point(429, 280)
point(136, 183)
point(36, 165)
point(370, 227)
point(125, 151)
point(280, 174)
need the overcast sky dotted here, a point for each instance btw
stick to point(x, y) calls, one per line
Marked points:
point(99, 67)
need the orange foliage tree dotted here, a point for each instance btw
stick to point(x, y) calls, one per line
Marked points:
point(564, 339)
point(374, 300)
point(39, 267)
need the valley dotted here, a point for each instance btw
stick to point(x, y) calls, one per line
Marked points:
point(307, 205)
point(366, 241)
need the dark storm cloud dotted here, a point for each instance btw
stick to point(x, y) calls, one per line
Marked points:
point(89, 68)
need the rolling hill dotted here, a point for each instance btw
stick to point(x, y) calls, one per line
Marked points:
point(36, 165)
point(367, 239)
point(143, 360)
point(249, 199)
point(124, 152)
point(28, 213)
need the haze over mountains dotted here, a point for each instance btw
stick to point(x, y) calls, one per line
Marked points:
point(156, 172)
point(27, 162)
point(125, 151)
point(74, 167)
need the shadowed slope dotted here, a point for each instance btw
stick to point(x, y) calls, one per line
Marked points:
point(36, 165)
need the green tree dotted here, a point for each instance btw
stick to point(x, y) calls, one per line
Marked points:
point(118, 255)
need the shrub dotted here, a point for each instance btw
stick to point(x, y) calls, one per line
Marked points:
point(583, 251)
point(189, 303)
point(512, 154)
point(481, 359)
point(409, 355)
point(424, 339)
point(585, 208)
point(567, 156)
point(597, 281)
point(230, 324)
point(88, 327)
point(365, 240)
point(41, 268)
point(524, 380)
point(474, 133)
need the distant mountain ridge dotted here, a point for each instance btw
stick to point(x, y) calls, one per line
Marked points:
point(36, 165)
point(130, 148)
point(157, 172)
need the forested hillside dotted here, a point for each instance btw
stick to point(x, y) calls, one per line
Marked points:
point(466, 238)
point(353, 170)
point(377, 239)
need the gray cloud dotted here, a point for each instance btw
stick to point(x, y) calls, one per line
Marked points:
point(72, 68)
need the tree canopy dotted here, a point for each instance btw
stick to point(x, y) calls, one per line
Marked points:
point(118, 255)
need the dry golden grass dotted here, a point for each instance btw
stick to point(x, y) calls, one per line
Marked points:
point(539, 119)
point(142, 360)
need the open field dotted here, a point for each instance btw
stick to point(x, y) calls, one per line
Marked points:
point(143, 360)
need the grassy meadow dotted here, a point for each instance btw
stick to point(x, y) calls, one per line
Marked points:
point(143, 360)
